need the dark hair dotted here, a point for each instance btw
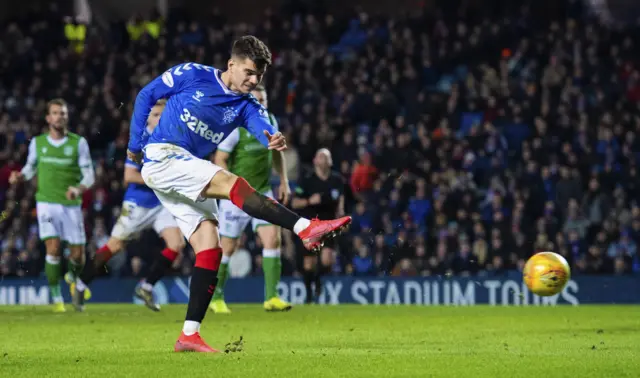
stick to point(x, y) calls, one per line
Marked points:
point(250, 47)
point(55, 101)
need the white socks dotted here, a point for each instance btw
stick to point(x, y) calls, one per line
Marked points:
point(270, 252)
point(53, 260)
point(225, 259)
point(300, 225)
point(190, 327)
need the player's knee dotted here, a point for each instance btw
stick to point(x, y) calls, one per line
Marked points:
point(270, 236)
point(56, 252)
point(228, 246)
point(220, 185)
point(272, 241)
point(52, 247)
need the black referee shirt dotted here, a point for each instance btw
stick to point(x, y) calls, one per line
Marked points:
point(330, 191)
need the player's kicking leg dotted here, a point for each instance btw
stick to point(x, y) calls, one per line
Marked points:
point(312, 232)
point(166, 227)
point(233, 221)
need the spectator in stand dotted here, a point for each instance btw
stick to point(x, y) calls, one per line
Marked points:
point(362, 263)
point(363, 176)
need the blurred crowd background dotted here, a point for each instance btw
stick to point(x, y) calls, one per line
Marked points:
point(468, 136)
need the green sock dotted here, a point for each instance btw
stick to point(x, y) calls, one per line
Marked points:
point(277, 273)
point(271, 266)
point(75, 268)
point(223, 273)
point(53, 270)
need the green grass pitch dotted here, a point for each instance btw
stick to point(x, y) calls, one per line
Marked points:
point(326, 341)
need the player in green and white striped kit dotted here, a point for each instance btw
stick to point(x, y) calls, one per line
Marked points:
point(62, 163)
point(243, 155)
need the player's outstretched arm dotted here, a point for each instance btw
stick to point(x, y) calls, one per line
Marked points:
point(258, 123)
point(164, 86)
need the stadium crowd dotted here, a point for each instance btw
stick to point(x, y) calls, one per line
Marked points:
point(465, 145)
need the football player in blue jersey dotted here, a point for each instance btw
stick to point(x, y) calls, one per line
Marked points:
point(204, 105)
point(141, 209)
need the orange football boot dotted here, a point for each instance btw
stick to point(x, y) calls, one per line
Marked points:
point(319, 231)
point(193, 343)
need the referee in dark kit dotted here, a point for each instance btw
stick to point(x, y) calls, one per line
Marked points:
point(320, 193)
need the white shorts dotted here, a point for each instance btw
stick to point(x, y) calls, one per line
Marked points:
point(177, 177)
point(233, 219)
point(134, 219)
point(60, 221)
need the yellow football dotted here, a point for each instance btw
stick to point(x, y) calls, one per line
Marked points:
point(546, 273)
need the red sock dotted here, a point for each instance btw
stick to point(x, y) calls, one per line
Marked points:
point(209, 259)
point(105, 254)
point(240, 191)
point(203, 283)
point(170, 254)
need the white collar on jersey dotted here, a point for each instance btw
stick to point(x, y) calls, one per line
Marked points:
point(224, 87)
point(57, 142)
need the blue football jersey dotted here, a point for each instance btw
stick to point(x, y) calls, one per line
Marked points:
point(140, 194)
point(201, 111)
